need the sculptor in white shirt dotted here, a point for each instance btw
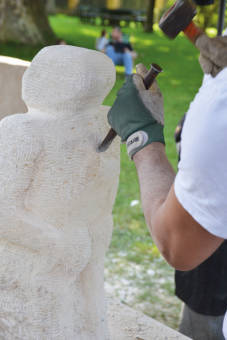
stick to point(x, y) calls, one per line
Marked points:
point(186, 214)
point(201, 182)
point(204, 194)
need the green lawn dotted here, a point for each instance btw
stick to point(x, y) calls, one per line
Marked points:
point(134, 269)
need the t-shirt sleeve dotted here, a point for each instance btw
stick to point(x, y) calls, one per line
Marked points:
point(201, 182)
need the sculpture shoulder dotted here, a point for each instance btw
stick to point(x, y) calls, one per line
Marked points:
point(15, 122)
point(16, 133)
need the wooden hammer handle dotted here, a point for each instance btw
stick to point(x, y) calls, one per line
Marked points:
point(192, 32)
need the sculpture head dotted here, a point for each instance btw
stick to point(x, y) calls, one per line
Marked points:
point(65, 79)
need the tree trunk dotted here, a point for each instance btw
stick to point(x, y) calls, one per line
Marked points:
point(25, 21)
point(150, 16)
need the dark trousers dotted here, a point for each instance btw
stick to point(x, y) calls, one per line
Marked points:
point(201, 327)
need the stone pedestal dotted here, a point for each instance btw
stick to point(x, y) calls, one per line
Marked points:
point(128, 324)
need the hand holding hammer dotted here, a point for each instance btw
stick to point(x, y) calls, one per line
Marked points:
point(178, 18)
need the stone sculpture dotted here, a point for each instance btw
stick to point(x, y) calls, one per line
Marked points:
point(11, 72)
point(56, 195)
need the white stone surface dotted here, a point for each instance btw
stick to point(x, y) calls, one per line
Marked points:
point(56, 196)
point(11, 72)
point(127, 324)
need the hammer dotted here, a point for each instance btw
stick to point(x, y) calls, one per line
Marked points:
point(148, 81)
point(179, 18)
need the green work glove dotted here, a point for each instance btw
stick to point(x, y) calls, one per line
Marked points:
point(137, 114)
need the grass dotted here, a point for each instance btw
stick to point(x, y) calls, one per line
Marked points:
point(135, 271)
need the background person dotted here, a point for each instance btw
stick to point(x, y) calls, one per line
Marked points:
point(61, 42)
point(119, 51)
point(102, 42)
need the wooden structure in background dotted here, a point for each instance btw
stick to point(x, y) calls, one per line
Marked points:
point(115, 12)
point(110, 17)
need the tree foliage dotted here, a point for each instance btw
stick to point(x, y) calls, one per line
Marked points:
point(207, 16)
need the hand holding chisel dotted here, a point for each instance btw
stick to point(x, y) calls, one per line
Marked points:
point(148, 81)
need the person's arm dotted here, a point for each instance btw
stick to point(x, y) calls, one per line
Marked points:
point(156, 177)
point(137, 116)
point(181, 240)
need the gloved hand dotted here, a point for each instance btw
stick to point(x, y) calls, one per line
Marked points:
point(137, 114)
point(213, 57)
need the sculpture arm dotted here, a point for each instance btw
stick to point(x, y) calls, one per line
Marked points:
point(19, 151)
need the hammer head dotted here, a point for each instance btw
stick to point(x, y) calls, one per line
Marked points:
point(177, 18)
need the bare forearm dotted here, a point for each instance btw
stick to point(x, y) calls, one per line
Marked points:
point(156, 177)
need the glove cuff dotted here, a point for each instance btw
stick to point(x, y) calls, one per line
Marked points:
point(138, 140)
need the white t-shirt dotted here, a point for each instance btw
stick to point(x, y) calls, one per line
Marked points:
point(201, 182)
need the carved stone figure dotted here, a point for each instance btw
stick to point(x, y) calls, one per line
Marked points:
point(56, 198)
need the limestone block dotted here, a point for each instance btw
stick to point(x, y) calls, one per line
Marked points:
point(56, 196)
point(127, 324)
